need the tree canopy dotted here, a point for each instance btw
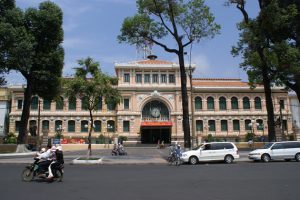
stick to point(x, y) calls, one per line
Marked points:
point(184, 21)
point(30, 43)
point(92, 85)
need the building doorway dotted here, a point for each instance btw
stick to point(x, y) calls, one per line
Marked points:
point(151, 135)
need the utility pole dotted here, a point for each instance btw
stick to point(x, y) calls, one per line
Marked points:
point(38, 126)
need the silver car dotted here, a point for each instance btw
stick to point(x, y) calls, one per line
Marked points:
point(277, 151)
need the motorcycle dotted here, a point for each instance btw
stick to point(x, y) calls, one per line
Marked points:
point(33, 171)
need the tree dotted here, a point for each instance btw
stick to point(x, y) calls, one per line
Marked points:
point(254, 46)
point(184, 21)
point(91, 84)
point(30, 43)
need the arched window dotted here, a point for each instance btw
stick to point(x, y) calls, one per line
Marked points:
point(110, 126)
point(224, 125)
point(199, 125)
point(46, 104)
point(259, 125)
point(210, 103)
point(247, 125)
point(34, 103)
point(97, 127)
point(32, 127)
point(84, 103)
point(234, 103)
point(222, 103)
point(45, 125)
point(60, 103)
point(246, 103)
point(111, 106)
point(257, 102)
point(211, 125)
point(58, 124)
point(236, 125)
point(84, 126)
point(72, 103)
point(198, 103)
point(71, 126)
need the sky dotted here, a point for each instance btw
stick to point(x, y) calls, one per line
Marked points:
point(91, 28)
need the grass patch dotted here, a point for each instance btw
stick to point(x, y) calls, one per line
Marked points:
point(85, 158)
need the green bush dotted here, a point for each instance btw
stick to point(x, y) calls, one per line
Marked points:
point(10, 138)
point(101, 139)
point(210, 138)
point(249, 136)
point(59, 135)
point(291, 137)
point(121, 139)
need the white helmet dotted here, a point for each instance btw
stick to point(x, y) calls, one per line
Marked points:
point(43, 150)
point(53, 148)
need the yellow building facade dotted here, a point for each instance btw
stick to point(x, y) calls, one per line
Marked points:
point(151, 108)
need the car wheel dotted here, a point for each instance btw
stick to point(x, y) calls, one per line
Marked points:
point(193, 160)
point(228, 159)
point(265, 158)
point(297, 157)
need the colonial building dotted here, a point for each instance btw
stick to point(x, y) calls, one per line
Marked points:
point(151, 108)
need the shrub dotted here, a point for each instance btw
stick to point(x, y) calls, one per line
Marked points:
point(101, 139)
point(121, 139)
point(210, 138)
point(10, 138)
point(249, 136)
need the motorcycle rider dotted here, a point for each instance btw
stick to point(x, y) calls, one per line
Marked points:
point(46, 158)
point(58, 159)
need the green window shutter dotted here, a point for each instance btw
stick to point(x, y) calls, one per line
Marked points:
point(210, 103)
point(84, 103)
point(84, 129)
point(234, 103)
point(257, 102)
point(224, 126)
point(20, 104)
point(71, 126)
point(97, 126)
point(17, 126)
point(246, 103)
point(126, 126)
point(126, 104)
point(236, 125)
point(45, 125)
point(247, 127)
point(60, 103)
point(34, 103)
point(222, 103)
point(198, 103)
point(72, 103)
point(199, 125)
point(57, 124)
point(212, 125)
point(46, 104)
point(260, 125)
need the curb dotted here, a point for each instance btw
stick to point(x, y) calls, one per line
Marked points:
point(87, 162)
point(17, 154)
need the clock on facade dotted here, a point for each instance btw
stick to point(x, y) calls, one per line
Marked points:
point(155, 112)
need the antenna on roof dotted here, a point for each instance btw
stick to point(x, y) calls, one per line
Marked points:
point(145, 48)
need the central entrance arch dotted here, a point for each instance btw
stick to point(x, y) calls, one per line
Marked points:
point(156, 124)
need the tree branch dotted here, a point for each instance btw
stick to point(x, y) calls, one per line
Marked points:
point(162, 45)
point(176, 36)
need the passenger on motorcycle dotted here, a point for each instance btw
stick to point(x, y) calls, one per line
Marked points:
point(58, 159)
point(46, 158)
point(178, 151)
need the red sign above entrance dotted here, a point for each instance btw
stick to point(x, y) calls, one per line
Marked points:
point(156, 124)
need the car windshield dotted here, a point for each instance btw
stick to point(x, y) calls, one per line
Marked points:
point(196, 148)
point(268, 145)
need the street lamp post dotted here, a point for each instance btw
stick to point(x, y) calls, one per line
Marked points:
point(251, 125)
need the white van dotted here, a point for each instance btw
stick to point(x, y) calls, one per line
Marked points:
point(277, 151)
point(214, 151)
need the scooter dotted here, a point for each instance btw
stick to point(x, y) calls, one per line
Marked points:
point(33, 171)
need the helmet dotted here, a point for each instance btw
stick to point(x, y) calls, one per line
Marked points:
point(53, 148)
point(43, 150)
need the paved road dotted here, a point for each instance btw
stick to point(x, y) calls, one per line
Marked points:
point(240, 181)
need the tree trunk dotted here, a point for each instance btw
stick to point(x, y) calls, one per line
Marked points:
point(90, 134)
point(269, 102)
point(185, 101)
point(25, 116)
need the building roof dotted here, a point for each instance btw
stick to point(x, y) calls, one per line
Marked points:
point(220, 82)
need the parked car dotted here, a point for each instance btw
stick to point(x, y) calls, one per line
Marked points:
point(277, 151)
point(213, 151)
